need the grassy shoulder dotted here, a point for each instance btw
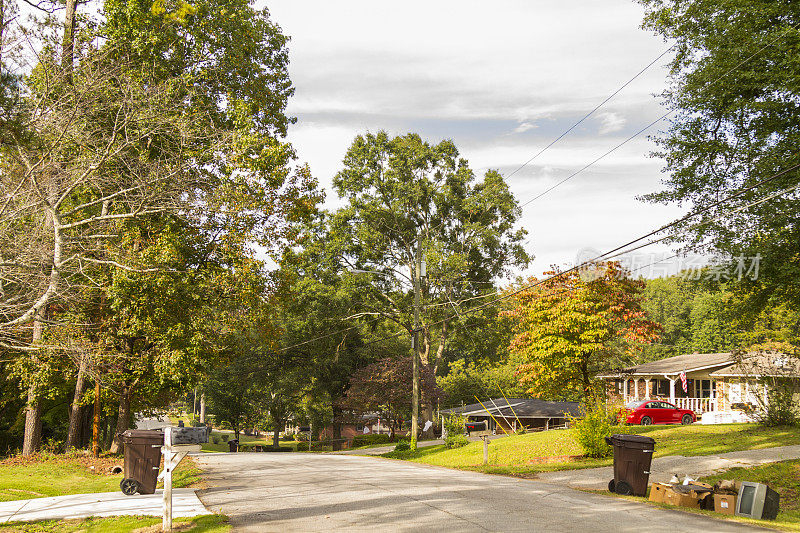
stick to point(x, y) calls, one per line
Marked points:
point(528, 454)
point(218, 441)
point(44, 475)
point(783, 476)
point(121, 524)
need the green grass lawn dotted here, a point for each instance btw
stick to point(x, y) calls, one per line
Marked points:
point(264, 440)
point(58, 475)
point(783, 477)
point(515, 455)
point(118, 524)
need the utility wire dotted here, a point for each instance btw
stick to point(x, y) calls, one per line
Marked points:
point(665, 115)
point(590, 113)
point(648, 126)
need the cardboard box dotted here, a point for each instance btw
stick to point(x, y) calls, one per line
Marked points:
point(692, 499)
point(725, 503)
point(657, 492)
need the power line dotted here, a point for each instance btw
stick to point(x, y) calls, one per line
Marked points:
point(606, 255)
point(590, 113)
point(645, 128)
point(596, 160)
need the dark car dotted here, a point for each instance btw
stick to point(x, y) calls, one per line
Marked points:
point(647, 412)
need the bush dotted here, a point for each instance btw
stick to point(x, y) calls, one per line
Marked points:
point(455, 425)
point(455, 441)
point(301, 437)
point(302, 446)
point(598, 422)
point(369, 440)
point(403, 445)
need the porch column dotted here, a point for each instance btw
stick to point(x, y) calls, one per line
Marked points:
point(625, 389)
point(636, 388)
point(647, 388)
point(672, 391)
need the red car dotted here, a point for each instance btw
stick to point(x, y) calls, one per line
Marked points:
point(646, 412)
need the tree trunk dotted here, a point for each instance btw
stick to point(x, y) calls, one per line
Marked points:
point(123, 420)
point(33, 424)
point(68, 40)
point(276, 435)
point(440, 349)
point(203, 408)
point(96, 420)
point(33, 407)
point(73, 433)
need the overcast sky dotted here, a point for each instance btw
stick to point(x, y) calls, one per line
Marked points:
point(502, 80)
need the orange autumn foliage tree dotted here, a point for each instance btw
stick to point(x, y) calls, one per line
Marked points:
point(572, 325)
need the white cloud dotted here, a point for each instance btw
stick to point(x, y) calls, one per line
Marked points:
point(525, 126)
point(461, 70)
point(610, 122)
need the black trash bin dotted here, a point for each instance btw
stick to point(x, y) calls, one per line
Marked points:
point(233, 445)
point(142, 459)
point(633, 455)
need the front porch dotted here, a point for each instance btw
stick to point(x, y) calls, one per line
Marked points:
point(700, 395)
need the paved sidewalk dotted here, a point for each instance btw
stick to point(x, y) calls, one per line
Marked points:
point(185, 503)
point(663, 468)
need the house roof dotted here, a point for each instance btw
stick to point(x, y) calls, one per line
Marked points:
point(767, 364)
point(675, 365)
point(521, 407)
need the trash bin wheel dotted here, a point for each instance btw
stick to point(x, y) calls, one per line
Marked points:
point(624, 488)
point(611, 486)
point(646, 421)
point(686, 420)
point(129, 486)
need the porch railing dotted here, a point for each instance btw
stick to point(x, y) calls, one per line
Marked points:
point(698, 405)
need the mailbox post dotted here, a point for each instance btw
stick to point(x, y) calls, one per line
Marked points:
point(178, 441)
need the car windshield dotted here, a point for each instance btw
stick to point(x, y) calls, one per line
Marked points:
point(634, 405)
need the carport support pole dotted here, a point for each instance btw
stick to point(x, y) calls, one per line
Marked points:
point(485, 450)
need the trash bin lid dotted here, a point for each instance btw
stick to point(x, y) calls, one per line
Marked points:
point(622, 437)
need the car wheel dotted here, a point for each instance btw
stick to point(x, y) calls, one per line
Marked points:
point(646, 421)
point(611, 486)
point(686, 420)
point(129, 486)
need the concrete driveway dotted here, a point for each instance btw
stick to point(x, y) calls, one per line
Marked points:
point(324, 492)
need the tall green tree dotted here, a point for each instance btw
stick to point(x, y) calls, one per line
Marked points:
point(402, 193)
point(734, 93)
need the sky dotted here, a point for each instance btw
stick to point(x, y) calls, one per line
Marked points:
point(501, 80)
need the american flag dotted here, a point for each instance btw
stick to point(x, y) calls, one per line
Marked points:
point(683, 381)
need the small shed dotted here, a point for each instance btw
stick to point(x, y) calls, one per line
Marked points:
point(514, 413)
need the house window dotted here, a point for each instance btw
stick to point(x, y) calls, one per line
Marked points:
point(706, 388)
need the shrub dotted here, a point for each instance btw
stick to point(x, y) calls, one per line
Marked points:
point(369, 440)
point(597, 423)
point(455, 441)
point(301, 437)
point(403, 445)
point(455, 425)
point(302, 446)
point(780, 409)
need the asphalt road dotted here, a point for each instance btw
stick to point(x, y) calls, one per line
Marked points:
point(324, 492)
